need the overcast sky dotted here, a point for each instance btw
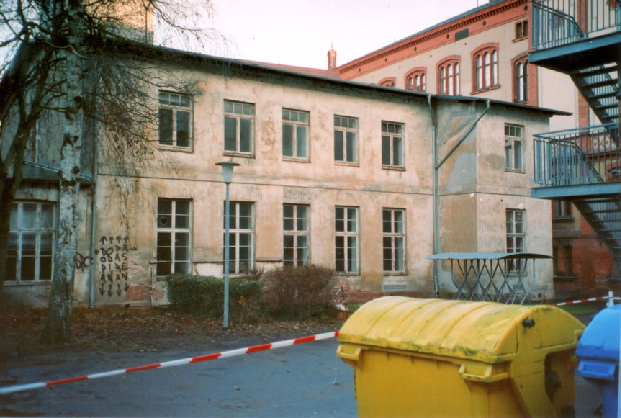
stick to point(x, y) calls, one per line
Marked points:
point(300, 32)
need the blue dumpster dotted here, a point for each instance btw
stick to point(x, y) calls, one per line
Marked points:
point(598, 352)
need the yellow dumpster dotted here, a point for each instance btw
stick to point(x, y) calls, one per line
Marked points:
point(434, 357)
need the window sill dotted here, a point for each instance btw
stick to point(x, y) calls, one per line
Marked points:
point(485, 90)
point(14, 283)
point(523, 38)
point(562, 218)
point(347, 164)
point(564, 277)
point(173, 148)
point(513, 170)
point(343, 273)
point(394, 273)
point(295, 160)
point(238, 154)
point(393, 168)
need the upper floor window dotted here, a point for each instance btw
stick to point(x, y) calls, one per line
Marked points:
point(520, 79)
point(417, 80)
point(388, 82)
point(345, 134)
point(392, 144)
point(295, 134)
point(238, 127)
point(521, 29)
point(175, 120)
point(31, 242)
point(174, 236)
point(513, 147)
point(486, 67)
point(448, 77)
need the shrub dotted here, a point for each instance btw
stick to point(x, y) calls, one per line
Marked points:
point(205, 295)
point(298, 292)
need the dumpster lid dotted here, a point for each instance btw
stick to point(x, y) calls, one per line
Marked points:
point(484, 331)
point(484, 256)
point(601, 338)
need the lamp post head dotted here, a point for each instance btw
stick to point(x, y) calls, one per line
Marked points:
point(227, 170)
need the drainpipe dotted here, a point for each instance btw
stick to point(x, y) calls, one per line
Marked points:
point(91, 265)
point(436, 170)
point(435, 201)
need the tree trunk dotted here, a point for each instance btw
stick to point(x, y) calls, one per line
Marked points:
point(6, 203)
point(60, 308)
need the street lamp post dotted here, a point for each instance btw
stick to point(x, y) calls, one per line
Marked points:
point(227, 177)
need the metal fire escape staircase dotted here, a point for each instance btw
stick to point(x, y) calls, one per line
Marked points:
point(598, 86)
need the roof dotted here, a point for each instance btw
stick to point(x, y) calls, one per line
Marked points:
point(484, 256)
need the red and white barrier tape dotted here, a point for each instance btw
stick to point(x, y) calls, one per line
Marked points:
point(575, 302)
point(181, 362)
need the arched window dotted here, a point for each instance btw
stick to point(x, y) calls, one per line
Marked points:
point(520, 78)
point(485, 63)
point(448, 76)
point(388, 82)
point(416, 79)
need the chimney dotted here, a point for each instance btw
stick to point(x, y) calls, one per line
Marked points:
point(331, 58)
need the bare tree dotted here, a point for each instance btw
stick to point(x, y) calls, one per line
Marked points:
point(66, 57)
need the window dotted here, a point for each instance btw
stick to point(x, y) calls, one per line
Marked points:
point(563, 260)
point(416, 80)
point(238, 127)
point(562, 209)
point(388, 82)
point(295, 240)
point(515, 230)
point(175, 120)
point(521, 80)
point(521, 30)
point(174, 236)
point(31, 242)
point(485, 62)
point(513, 147)
point(392, 144)
point(393, 229)
point(241, 228)
point(347, 243)
point(345, 133)
point(295, 134)
point(448, 77)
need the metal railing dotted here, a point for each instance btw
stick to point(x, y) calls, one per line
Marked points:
point(561, 22)
point(579, 156)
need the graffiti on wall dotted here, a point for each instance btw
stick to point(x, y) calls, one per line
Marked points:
point(113, 256)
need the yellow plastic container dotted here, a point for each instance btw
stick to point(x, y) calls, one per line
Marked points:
point(441, 358)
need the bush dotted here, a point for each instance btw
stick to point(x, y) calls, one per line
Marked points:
point(205, 295)
point(298, 292)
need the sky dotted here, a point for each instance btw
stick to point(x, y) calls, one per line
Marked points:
point(300, 32)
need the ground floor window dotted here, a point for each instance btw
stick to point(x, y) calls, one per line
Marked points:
point(347, 240)
point(174, 236)
point(31, 242)
point(295, 238)
point(393, 229)
point(241, 244)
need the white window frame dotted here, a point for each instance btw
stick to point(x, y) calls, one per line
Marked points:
point(351, 128)
point(515, 224)
point(16, 239)
point(239, 111)
point(295, 229)
point(392, 136)
point(299, 120)
point(521, 80)
point(349, 233)
point(169, 224)
point(487, 68)
point(236, 232)
point(177, 104)
point(514, 147)
point(393, 231)
point(450, 77)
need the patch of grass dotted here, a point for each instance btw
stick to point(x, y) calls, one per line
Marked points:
point(583, 309)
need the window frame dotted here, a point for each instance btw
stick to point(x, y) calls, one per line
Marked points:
point(510, 144)
point(561, 210)
point(175, 110)
point(235, 233)
point(391, 137)
point(346, 130)
point(521, 80)
point(294, 140)
point(346, 234)
point(420, 74)
point(521, 30)
point(174, 230)
point(393, 236)
point(514, 236)
point(449, 76)
point(388, 82)
point(485, 74)
point(17, 229)
point(239, 117)
point(296, 233)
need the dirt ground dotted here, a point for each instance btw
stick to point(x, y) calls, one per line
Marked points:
point(145, 329)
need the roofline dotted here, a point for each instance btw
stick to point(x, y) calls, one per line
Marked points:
point(403, 43)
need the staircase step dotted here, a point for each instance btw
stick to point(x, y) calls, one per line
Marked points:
point(601, 95)
point(594, 71)
point(608, 106)
point(604, 83)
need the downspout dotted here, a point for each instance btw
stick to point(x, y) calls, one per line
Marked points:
point(435, 201)
point(435, 177)
point(91, 264)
